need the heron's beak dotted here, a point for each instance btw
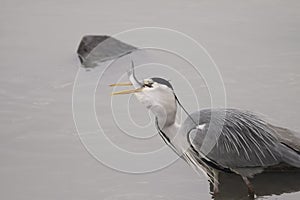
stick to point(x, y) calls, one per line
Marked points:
point(120, 84)
point(133, 81)
point(125, 91)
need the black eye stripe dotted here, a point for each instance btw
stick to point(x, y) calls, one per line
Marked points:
point(163, 82)
point(148, 84)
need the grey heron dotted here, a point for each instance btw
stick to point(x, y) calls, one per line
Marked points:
point(246, 145)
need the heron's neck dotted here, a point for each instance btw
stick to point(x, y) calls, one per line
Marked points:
point(171, 131)
point(165, 111)
point(168, 125)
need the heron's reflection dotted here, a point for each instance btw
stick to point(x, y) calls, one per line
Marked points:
point(265, 184)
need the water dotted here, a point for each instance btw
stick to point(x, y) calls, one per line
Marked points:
point(255, 44)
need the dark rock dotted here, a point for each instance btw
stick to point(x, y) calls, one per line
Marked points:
point(94, 49)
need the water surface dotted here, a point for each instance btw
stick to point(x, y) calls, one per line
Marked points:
point(255, 44)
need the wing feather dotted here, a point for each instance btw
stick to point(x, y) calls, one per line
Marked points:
point(245, 140)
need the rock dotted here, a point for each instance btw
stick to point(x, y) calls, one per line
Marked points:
point(94, 49)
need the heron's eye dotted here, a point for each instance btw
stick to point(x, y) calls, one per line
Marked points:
point(148, 84)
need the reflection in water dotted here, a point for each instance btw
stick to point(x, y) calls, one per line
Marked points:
point(232, 186)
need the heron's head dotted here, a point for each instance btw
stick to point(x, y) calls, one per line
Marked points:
point(156, 94)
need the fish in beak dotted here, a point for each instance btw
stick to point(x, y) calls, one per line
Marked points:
point(133, 82)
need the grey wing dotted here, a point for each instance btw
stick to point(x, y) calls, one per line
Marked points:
point(289, 145)
point(244, 139)
point(287, 137)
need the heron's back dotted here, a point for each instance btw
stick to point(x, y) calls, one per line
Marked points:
point(239, 139)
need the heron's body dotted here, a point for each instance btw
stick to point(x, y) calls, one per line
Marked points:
point(245, 144)
point(214, 140)
point(244, 141)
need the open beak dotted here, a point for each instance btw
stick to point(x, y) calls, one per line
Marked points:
point(125, 91)
point(120, 84)
point(133, 82)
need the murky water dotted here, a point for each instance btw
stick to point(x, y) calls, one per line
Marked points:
point(255, 45)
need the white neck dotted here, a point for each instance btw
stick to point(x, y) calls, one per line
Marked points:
point(166, 119)
point(176, 139)
point(171, 131)
point(165, 113)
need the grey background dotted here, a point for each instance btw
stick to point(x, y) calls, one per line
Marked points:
point(255, 44)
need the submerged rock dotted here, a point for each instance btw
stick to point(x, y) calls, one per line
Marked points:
point(94, 49)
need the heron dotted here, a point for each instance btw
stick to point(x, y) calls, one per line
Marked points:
point(239, 141)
